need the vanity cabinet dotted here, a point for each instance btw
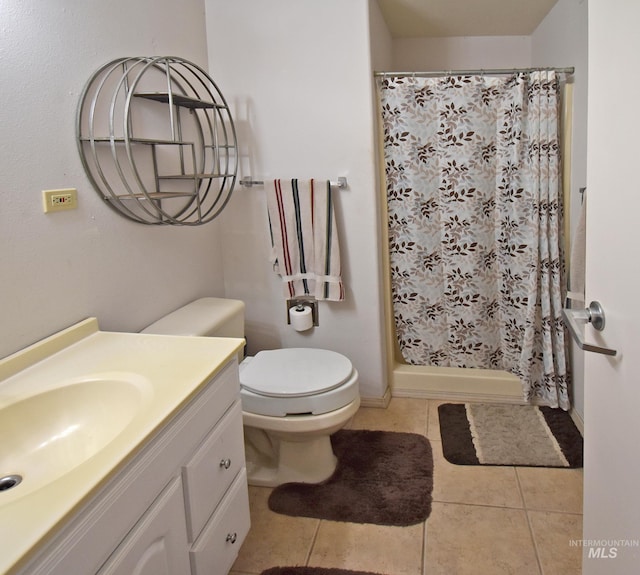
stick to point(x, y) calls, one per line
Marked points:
point(179, 506)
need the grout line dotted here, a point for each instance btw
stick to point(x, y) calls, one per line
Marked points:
point(520, 488)
point(483, 505)
point(526, 512)
point(535, 543)
point(426, 430)
point(554, 511)
point(313, 543)
point(423, 569)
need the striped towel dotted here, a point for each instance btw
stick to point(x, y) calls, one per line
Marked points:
point(305, 239)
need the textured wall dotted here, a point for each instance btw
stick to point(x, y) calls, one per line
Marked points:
point(299, 78)
point(58, 268)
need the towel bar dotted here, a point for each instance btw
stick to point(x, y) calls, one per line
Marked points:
point(247, 182)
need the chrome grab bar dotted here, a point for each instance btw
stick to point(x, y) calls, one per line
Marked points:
point(594, 315)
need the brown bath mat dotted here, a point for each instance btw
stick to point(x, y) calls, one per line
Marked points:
point(520, 435)
point(312, 571)
point(382, 477)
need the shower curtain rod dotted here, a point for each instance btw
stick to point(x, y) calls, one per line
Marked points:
point(481, 72)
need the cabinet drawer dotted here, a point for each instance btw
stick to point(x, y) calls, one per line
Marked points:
point(217, 547)
point(223, 391)
point(212, 469)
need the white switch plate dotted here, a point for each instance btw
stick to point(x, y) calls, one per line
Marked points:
point(58, 200)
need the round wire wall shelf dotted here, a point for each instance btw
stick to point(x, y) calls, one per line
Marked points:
point(157, 140)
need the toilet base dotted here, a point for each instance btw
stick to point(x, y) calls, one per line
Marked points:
point(307, 462)
point(295, 449)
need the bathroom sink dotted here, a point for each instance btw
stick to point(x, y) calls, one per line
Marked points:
point(76, 407)
point(48, 434)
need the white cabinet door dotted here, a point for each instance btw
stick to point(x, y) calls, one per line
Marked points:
point(157, 545)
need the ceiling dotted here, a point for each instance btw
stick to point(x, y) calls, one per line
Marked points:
point(437, 18)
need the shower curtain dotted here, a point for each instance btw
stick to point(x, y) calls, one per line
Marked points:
point(475, 224)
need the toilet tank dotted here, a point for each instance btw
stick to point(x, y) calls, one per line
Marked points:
point(207, 317)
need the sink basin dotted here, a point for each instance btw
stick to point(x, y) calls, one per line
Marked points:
point(75, 408)
point(46, 435)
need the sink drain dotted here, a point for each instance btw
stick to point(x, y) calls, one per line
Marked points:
point(9, 481)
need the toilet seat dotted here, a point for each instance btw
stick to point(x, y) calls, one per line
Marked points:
point(294, 381)
point(295, 372)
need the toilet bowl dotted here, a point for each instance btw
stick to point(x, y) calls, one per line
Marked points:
point(292, 399)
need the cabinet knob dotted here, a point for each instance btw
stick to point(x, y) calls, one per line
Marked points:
point(226, 463)
point(231, 538)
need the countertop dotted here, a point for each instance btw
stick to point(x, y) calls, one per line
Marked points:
point(170, 370)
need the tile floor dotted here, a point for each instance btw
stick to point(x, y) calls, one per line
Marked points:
point(484, 521)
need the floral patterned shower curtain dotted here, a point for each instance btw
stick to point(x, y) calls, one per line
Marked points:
point(475, 223)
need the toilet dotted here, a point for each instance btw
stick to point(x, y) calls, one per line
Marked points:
point(292, 399)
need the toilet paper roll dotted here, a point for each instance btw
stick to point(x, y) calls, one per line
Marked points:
point(301, 318)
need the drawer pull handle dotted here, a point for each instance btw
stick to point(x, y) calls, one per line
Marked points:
point(226, 463)
point(232, 537)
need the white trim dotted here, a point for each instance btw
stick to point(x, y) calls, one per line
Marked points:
point(382, 402)
point(456, 384)
point(577, 419)
point(459, 397)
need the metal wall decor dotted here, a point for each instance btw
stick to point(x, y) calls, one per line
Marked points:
point(157, 140)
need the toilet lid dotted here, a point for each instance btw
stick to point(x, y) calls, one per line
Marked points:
point(295, 372)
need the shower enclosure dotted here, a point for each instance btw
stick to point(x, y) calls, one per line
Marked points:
point(475, 235)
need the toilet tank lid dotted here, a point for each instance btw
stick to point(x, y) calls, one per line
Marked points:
point(198, 318)
point(295, 372)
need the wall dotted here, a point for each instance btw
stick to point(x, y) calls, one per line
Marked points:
point(380, 39)
point(298, 79)
point(461, 53)
point(561, 40)
point(62, 267)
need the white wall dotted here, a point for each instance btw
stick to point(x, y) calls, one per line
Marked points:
point(59, 268)
point(561, 40)
point(380, 39)
point(298, 79)
point(461, 53)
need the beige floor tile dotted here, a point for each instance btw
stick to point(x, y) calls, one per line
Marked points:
point(366, 547)
point(474, 484)
point(549, 489)
point(553, 533)
point(402, 414)
point(478, 524)
point(468, 539)
point(273, 539)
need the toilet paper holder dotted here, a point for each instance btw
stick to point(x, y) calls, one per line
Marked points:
point(303, 301)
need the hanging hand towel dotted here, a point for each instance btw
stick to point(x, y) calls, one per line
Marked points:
point(305, 239)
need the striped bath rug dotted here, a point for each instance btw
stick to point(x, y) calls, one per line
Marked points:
point(499, 434)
